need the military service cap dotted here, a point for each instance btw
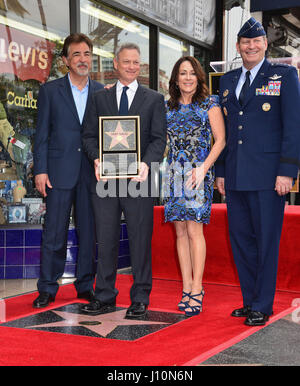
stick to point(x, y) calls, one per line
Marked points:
point(251, 29)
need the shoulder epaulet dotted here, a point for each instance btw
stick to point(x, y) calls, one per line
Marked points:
point(275, 64)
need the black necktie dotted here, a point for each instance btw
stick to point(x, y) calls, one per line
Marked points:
point(123, 110)
point(245, 87)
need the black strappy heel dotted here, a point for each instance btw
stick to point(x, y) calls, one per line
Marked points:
point(182, 305)
point(195, 310)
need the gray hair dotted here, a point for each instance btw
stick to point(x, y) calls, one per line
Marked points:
point(127, 46)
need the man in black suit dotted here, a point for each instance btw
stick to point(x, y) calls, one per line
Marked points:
point(63, 172)
point(127, 97)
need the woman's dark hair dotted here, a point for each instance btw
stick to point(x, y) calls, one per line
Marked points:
point(75, 38)
point(202, 89)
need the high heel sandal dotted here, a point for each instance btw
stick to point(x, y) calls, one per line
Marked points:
point(182, 305)
point(195, 310)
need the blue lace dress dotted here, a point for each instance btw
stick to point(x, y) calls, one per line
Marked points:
point(189, 140)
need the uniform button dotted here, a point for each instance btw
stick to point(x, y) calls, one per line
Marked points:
point(240, 127)
point(79, 149)
point(240, 142)
point(241, 112)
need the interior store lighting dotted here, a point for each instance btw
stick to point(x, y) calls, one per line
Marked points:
point(175, 45)
point(45, 34)
point(128, 26)
point(30, 29)
point(99, 14)
point(111, 19)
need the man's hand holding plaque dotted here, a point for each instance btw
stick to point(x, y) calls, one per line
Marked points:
point(97, 168)
point(143, 172)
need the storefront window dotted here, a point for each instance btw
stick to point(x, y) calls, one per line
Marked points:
point(108, 28)
point(170, 50)
point(284, 37)
point(31, 37)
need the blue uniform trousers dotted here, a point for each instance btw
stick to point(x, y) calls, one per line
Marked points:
point(255, 223)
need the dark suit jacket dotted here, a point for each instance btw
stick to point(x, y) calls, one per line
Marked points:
point(58, 144)
point(148, 104)
point(263, 135)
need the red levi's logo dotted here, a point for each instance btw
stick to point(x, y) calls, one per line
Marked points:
point(24, 55)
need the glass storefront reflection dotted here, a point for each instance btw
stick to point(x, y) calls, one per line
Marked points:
point(170, 50)
point(31, 36)
point(109, 28)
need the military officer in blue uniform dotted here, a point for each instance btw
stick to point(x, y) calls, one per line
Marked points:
point(261, 105)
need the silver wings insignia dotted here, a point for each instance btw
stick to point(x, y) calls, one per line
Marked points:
point(275, 77)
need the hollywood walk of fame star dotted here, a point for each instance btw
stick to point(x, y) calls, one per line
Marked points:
point(102, 324)
point(119, 136)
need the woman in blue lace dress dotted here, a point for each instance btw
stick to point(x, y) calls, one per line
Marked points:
point(193, 119)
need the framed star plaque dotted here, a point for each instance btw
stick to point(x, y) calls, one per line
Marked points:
point(119, 141)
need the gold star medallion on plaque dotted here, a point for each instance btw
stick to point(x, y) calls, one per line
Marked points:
point(266, 106)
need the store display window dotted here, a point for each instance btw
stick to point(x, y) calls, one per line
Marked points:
point(108, 28)
point(31, 38)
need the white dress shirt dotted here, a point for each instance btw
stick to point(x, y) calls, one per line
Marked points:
point(80, 98)
point(130, 92)
point(253, 73)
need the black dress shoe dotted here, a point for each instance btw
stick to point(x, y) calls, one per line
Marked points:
point(87, 295)
point(136, 310)
point(241, 312)
point(43, 300)
point(95, 307)
point(256, 318)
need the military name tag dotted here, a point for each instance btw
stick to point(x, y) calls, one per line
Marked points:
point(272, 89)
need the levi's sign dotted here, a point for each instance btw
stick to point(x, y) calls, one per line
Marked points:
point(24, 55)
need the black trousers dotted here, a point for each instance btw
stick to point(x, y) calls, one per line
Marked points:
point(139, 219)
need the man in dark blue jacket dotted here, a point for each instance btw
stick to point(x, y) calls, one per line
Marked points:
point(63, 172)
point(261, 104)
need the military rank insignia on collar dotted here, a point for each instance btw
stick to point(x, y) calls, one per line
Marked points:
point(272, 89)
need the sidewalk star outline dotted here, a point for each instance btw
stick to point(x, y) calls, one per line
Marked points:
point(107, 322)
